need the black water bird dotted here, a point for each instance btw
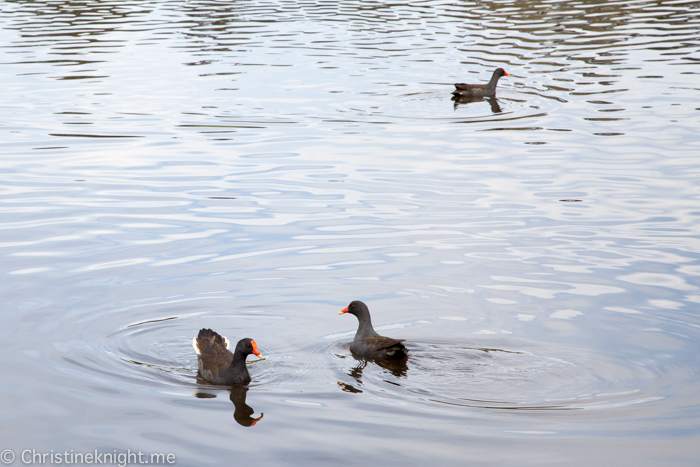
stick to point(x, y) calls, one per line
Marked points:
point(216, 362)
point(480, 90)
point(367, 342)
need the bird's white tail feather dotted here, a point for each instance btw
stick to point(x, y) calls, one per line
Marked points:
point(196, 348)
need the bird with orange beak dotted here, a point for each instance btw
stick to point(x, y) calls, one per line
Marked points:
point(217, 364)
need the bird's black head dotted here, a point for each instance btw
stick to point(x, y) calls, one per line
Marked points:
point(500, 72)
point(356, 308)
point(247, 346)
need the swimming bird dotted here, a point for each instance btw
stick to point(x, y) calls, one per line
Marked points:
point(367, 342)
point(480, 90)
point(216, 362)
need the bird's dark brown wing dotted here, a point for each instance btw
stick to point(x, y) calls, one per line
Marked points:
point(213, 354)
point(381, 342)
point(215, 359)
point(463, 87)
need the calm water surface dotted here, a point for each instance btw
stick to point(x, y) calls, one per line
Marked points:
point(253, 166)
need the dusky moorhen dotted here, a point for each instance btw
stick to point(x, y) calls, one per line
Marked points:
point(367, 342)
point(480, 90)
point(216, 362)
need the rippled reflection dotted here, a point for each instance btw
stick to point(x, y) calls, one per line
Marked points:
point(399, 369)
point(464, 100)
point(279, 73)
point(243, 413)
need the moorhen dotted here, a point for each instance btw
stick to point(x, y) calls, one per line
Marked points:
point(480, 90)
point(367, 342)
point(216, 362)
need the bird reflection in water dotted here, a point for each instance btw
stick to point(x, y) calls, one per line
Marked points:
point(463, 100)
point(242, 412)
point(398, 368)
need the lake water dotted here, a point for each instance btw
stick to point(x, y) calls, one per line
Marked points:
point(253, 166)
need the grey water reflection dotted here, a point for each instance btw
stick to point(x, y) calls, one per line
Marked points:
point(399, 369)
point(243, 413)
point(250, 166)
point(464, 100)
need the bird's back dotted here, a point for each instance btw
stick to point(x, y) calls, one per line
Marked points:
point(213, 356)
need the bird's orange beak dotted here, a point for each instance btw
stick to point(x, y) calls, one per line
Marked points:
point(255, 349)
point(257, 419)
point(345, 310)
point(505, 73)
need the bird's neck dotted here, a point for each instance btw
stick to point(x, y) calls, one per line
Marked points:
point(494, 81)
point(365, 328)
point(239, 359)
